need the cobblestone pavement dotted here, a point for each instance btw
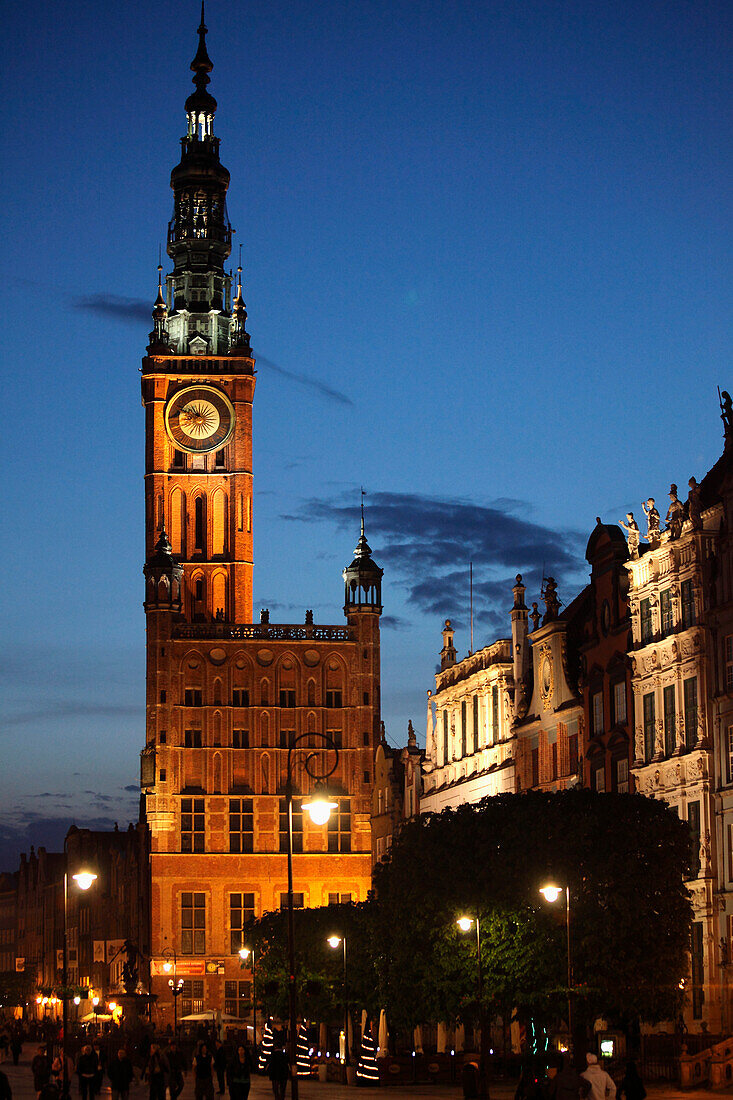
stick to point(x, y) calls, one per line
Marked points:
point(21, 1083)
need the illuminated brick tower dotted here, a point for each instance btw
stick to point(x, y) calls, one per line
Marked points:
point(226, 696)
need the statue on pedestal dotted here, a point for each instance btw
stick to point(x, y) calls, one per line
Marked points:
point(632, 536)
point(652, 522)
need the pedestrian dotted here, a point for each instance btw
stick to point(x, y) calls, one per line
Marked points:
point(41, 1070)
point(176, 1069)
point(632, 1086)
point(86, 1068)
point(101, 1059)
point(278, 1070)
point(567, 1084)
point(601, 1085)
point(220, 1064)
point(239, 1072)
point(155, 1071)
point(16, 1046)
point(203, 1081)
point(120, 1073)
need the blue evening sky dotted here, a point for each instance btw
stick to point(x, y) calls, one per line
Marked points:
point(487, 256)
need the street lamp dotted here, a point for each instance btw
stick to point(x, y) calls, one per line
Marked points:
point(551, 892)
point(334, 942)
point(466, 924)
point(171, 962)
point(246, 953)
point(319, 809)
point(83, 880)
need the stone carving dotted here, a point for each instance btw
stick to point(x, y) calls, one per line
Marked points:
point(632, 534)
point(652, 521)
point(726, 415)
point(705, 849)
point(535, 617)
point(693, 505)
point(639, 743)
point(675, 513)
point(551, 601)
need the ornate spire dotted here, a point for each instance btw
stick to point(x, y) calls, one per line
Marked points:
point(159, 336)
point(240, 336)
point(363, 578)
point(200, 101)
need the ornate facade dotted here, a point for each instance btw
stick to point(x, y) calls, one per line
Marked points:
point(227, 697)
point(681, 600)
point(469, 750)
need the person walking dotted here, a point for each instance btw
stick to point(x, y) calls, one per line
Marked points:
point(602, 1086)
point(239, 1073)
point(120, 1073)
point(220, 1064)
point(278, 1070)
point(41, 1070)
point(632, 1086)
point(203, 1081)
point(567, 1084)
point(101, 1060)
point(176, 1069)
point(86, 1069)
point(155, 1072)
point(16, 1046)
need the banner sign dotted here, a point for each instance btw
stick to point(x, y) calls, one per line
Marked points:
point(185, 968)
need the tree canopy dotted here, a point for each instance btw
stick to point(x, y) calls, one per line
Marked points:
point(623, 857)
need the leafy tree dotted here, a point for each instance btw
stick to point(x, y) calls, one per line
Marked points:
point(624, 858)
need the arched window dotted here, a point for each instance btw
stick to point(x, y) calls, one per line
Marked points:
point(200, 524)
point(176, 521)
point(219, 522)
point(219, 596)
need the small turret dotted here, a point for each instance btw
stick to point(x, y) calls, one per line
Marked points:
point(363, 578)
point(448, 652)
point(520, 617)
point(162, 578)
point(159, 340)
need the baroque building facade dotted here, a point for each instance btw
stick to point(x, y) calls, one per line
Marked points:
point(681, 597)
point(228, 698)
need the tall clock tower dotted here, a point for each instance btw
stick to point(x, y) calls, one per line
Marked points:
point(227, 697)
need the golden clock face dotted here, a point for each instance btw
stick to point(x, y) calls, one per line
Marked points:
point(199, 419)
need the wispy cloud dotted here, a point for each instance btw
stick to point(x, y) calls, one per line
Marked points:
point(61, 711)
point(137, 311)
point(427, 542)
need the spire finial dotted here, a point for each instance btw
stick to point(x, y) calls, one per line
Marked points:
point(363, 494)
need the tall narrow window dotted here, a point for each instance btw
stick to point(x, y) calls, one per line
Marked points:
point(241, 912)
point(619, 703)
point(193, 697)
point(193, 997)
point(339, 827)
point(192, 739)
point(334, 698)
point(665, 610)
point(573, 753)
point(621, 775)
point(688, 604)
point(240, 512)
point(240, 697)
point(219, 526)
point(199, 524)
point(645, 613)
point(690, 693)
point(179, 460)
point(670, 720)
point(445, 736)
point(240, 739)
point(193, 924)
point(193, 825)
point(238, 998)
point(297, 825)
point(476, 744)
point(649, 724)
point(599, 778)
point(464, 732)
point(241, 825)
point(596, 713)
point(494, 714)
point(693, 820)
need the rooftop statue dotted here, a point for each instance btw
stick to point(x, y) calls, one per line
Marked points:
point(675, 513)
point(652, 522)
point(632, 536)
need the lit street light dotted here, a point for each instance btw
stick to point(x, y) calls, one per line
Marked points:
point(246, 953)
point(466, 924)
point(551, 893)
point(176, 985)
point(319, 808)
point(334, 942)
point(83, 880)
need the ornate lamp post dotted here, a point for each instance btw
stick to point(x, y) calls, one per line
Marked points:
point(83, 880)
point(175, 983)
point(551, 893)
point(465, 924)
point(334, 942)
point(319, 810)
point(246, 953)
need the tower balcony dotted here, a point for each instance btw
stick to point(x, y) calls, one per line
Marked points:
point(264, 631)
